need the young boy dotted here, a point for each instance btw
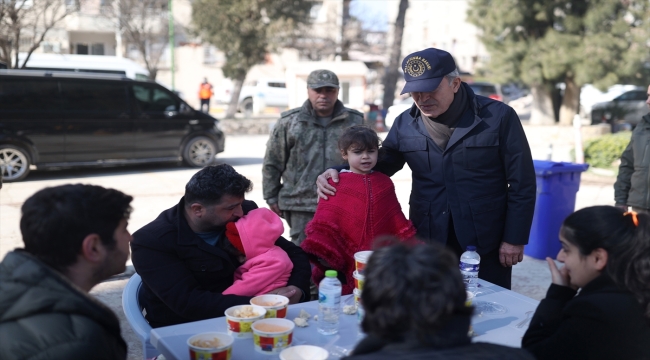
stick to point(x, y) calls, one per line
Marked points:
point(365, 207)
point(265, 266)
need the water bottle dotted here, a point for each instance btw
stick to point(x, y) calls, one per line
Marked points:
point(469, 264)
point(329, 303)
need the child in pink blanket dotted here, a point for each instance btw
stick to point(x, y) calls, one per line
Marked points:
point(265, 266)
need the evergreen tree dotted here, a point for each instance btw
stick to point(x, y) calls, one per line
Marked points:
point(246, 30)
point(545, 42)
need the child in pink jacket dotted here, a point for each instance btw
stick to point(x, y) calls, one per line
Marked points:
point(265, 266)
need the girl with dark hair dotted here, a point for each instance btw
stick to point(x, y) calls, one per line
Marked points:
point(606, 256)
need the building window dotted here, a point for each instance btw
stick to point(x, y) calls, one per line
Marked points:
point(345, 92)
point(97, 49)
point(81, 49)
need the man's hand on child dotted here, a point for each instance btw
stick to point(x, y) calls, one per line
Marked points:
point(324, 188)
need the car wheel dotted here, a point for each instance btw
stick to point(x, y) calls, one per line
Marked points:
point(14, 163)
point(199, 152)
point(247, 107)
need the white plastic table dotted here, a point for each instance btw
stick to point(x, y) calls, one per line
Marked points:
point(500, 328)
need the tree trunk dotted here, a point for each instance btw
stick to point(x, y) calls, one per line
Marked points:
point(345, 23)
point(570, 101)
point(392, 71)
point(542, 109)
point(234, 100)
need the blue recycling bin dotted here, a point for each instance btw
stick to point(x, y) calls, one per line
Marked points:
point(557, 185)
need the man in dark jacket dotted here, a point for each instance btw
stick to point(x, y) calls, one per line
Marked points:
point(414, 302)
point(181, 257)
point(75, 237)
point(631, 187)
point(473, 175)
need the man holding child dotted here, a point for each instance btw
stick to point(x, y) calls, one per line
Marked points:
point(183, 259)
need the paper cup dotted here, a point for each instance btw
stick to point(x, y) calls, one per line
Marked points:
point(357, 297)
point(240, 327)
point(201, 349)
point(304, 352)
point(358, 280)
point(470, 298)
point(271, 336)
point(361, 259)
point(275, 305)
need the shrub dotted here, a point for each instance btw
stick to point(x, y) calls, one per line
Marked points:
point(603, 151)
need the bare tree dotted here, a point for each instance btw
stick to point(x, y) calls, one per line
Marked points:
point(24, 24)
point(144, 24)
point(392, 72)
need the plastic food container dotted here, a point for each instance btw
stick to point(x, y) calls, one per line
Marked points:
point(358, 280)
point(210, 345)
point(275, 305)
point(470, 298)
point(304, 352)
point(271, 336)
point(361, 259)
point(357, 297)
point(240, 327)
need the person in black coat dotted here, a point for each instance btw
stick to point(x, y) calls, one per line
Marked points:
point(606, 254)
point(473, 175)
point(183, 258)
point(414, 301)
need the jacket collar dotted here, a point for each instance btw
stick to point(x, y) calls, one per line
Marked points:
point(469, 121)
point(308, 114)
point(646, 120)
point(54, 291)
point(187, 237)
point(603, 283)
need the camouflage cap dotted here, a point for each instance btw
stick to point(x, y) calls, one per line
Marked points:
point(322, 78)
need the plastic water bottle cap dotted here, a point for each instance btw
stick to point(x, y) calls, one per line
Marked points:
point(330, 273)
point(471, 248)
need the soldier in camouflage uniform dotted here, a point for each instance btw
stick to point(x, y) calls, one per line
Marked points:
point(303, 144)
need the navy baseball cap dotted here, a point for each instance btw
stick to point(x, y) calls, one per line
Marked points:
point(424, 70)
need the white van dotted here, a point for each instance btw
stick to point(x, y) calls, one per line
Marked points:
point(85, 63)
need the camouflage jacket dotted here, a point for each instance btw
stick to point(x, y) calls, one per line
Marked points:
point(299, 149)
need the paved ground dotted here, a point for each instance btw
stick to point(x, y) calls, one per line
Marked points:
point(158, 187)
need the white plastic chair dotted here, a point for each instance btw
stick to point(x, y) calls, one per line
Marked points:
point(133, 313)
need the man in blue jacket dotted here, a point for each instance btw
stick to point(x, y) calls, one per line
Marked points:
point(473, 175)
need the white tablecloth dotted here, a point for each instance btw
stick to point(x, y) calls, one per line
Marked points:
point(502, 328)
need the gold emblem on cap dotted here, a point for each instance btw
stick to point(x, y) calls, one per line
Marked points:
point(416, 66)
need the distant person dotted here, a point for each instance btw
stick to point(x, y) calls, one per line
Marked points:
point(303, 144)
point(414, 301)
point(472, 170)
point(631, 188)
point(264, 266)
point(365, 207)
point(182, 257)
point(75, 237)
point(606, 255)
point(205, 93)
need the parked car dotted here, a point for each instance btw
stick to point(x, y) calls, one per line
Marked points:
point(57, 119)
point(628, 107)
point(256, 95)
point(399, 107)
